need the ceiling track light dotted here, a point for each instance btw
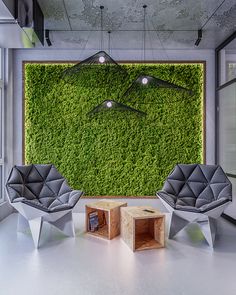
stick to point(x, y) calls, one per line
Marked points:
point(199, 37)
point(47, 38)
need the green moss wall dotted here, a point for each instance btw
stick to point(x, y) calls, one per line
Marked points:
point(114, 153)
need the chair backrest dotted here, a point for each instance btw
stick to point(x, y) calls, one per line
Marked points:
point(36, 181)
point(196, 182)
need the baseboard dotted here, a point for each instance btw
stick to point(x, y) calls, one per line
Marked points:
point(5, 210)
point(229, 218)
point(119, 197)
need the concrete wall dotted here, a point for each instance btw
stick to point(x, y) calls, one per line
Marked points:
point(21, 55)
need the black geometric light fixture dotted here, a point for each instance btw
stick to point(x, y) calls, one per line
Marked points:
point(144, 81)
point(100, 58)
point(108, 105)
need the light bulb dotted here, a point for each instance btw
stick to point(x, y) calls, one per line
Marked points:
point(144, 81)
point(109, 104)
point(101, 59)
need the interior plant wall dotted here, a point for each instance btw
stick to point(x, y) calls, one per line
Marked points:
point(113, 153)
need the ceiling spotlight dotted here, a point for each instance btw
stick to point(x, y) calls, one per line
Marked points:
point(47, 38)
point(144, 81)
point(101, 59)
point(199, 37)
point(109, 104)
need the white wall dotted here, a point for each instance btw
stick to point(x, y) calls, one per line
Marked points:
point(170, 55)
point(5, 208)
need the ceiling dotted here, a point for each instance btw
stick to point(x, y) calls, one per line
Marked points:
point(170, 24)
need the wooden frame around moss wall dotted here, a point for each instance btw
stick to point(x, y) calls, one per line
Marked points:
point(203, 63)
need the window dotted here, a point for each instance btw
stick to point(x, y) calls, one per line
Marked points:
point(1, 124)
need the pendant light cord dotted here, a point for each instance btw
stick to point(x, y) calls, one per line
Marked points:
point(144, 32)
point(109, 42)
point(101, 45)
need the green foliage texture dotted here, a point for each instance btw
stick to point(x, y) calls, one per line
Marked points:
point(113, 153)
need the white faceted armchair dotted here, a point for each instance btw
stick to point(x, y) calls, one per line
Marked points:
point(40, 193)
point(196, 193)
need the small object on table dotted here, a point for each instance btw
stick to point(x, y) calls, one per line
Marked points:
point(143, 228)
point(108, 218)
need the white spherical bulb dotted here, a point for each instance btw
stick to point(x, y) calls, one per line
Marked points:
point(101, 59)
point(144, 81)
point(109, 104)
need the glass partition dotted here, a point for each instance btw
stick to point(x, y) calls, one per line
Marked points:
point(226, 114)
point(227, 63)
point(1, 123)
point(227, 129)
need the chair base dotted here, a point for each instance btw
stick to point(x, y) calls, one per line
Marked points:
point(206, 225)
point(206, 221)
point(33, 219)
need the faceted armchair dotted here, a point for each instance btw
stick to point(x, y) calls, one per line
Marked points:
point(40, 193)
point(196, 193)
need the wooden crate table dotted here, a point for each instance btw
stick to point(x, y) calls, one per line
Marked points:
point(141, 229)
point(108, 217)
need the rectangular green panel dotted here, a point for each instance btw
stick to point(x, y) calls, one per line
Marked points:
point(113, 153)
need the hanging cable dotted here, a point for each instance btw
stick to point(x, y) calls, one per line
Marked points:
point(144, 32)
point(101, 46)
point(88, 38)
point(109, 42)
point(149, 38)
point(162, 45)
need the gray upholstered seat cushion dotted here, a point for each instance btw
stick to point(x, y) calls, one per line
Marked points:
point(196, 187)
point(42, 187)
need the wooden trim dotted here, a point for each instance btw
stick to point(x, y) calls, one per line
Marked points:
point(23, 112)
point(203, 62)
point(119, 197)
point(204, 113)
point(119, 61)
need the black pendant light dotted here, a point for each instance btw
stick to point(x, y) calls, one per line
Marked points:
point(108, 105)
point(145, 81)
point(100, 58)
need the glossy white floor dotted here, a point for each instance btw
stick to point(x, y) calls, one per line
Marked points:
point(87, 265)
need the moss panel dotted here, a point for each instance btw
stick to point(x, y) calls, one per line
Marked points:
point(113, 153)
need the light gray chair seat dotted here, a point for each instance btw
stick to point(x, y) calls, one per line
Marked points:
point(203, 190)
point(40, 193)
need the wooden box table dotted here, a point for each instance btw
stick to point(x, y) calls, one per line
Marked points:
point(108, 218)
point(143, 228)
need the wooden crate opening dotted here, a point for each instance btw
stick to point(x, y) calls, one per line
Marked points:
point(149, 233)
point(103, 223)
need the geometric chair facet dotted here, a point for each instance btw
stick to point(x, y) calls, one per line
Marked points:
point(40, 193)
point(196, 193)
